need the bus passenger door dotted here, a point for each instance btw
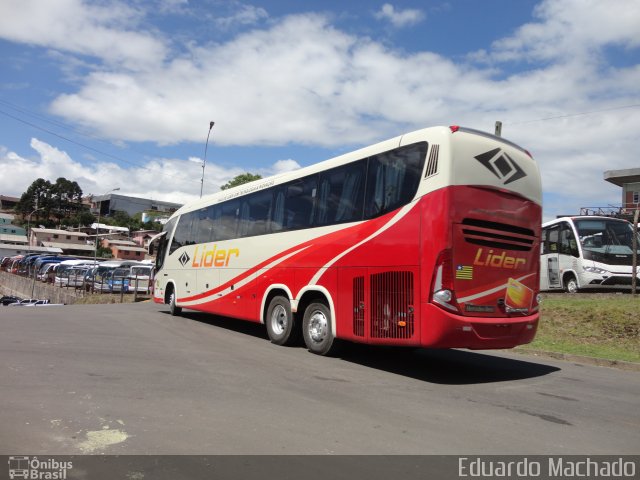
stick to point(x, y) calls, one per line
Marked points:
point(553, 271)
point(550, 263)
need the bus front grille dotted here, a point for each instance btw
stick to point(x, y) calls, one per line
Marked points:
point(497, 235)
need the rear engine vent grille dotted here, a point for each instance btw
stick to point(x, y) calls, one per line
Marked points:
point(392, 312)
point(358, 306)
point(432, 164)
point(497, 235)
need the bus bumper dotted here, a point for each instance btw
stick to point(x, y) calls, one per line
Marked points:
point(441, 329)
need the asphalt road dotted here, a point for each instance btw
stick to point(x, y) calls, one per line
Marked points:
point(131, 379)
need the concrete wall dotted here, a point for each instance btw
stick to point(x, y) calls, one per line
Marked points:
point(22, 287)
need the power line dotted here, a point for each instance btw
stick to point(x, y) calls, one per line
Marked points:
point(64, 126)
point(575, 114)
point(82, 145)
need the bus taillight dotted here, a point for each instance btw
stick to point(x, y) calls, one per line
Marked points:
point(442, 283)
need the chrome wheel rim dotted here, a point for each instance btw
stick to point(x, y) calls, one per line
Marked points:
point(318, 326)
point(279, 320)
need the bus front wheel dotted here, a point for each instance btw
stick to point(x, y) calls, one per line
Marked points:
point(571, 284)
point(316, 330)
point(173, 308)
point(281, 326)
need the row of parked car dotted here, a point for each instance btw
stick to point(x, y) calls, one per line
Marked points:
point(70, 272)
point(26, 302)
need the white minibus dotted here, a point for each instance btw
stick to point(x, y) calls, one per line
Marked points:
point(586, 252)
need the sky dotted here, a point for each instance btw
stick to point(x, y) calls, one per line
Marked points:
point(120, 94)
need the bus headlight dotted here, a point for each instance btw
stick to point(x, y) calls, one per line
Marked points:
point(442, 282)
point(444, 298)
point(597, 270)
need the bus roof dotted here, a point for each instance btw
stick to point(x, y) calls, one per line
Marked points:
point(570, 218)
point(439, 134)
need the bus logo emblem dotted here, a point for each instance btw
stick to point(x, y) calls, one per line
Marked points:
point(501, 165)
point(184, 258)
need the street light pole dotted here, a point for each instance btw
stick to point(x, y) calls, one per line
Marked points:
point(95, 250)
point(29, 229)
point(204, 162)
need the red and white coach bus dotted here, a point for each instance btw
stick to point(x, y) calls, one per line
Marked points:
point(430, 239)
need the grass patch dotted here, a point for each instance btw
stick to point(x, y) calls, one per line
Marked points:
point(601, 325)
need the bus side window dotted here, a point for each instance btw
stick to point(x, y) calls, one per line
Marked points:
point(553, 234)
point(205, 227)
point(255, 213)
point(277, 222)
point(568, 243)
point(544, 246)
point(261, 206)
point(393, 179)
point(299, 203)
point(169, 228)
point(341, 194)
point(227, 220)
point(183, 235)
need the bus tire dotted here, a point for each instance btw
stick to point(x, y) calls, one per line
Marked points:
point(281, 326)
point(173, 308)
point(316, 330)
point(571, 284)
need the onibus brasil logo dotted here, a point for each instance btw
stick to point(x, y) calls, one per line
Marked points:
point(37, 469)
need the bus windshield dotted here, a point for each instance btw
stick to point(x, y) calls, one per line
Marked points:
point(605, 237)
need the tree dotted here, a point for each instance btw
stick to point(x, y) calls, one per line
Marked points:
point(59, 200)
point(37, 196)
point(83, 218)
point(121, 218)
point(240, 180)
point(66, 198)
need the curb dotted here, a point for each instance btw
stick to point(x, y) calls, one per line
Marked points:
point(568, 357)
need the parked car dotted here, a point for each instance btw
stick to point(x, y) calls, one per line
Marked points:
point(43, 303)
point(34, 302)
point(27, 301)
point(8, 299)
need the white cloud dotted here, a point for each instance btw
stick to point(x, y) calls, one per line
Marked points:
point(303, 81)
point(243, 15)
point(173, 6)
point(573, 29)
point(283, 166)
point(399, 18)
point(105, 31)
point(169, 179)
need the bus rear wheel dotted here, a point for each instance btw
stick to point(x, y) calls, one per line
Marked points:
point(317, 331)
point(281, 325)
